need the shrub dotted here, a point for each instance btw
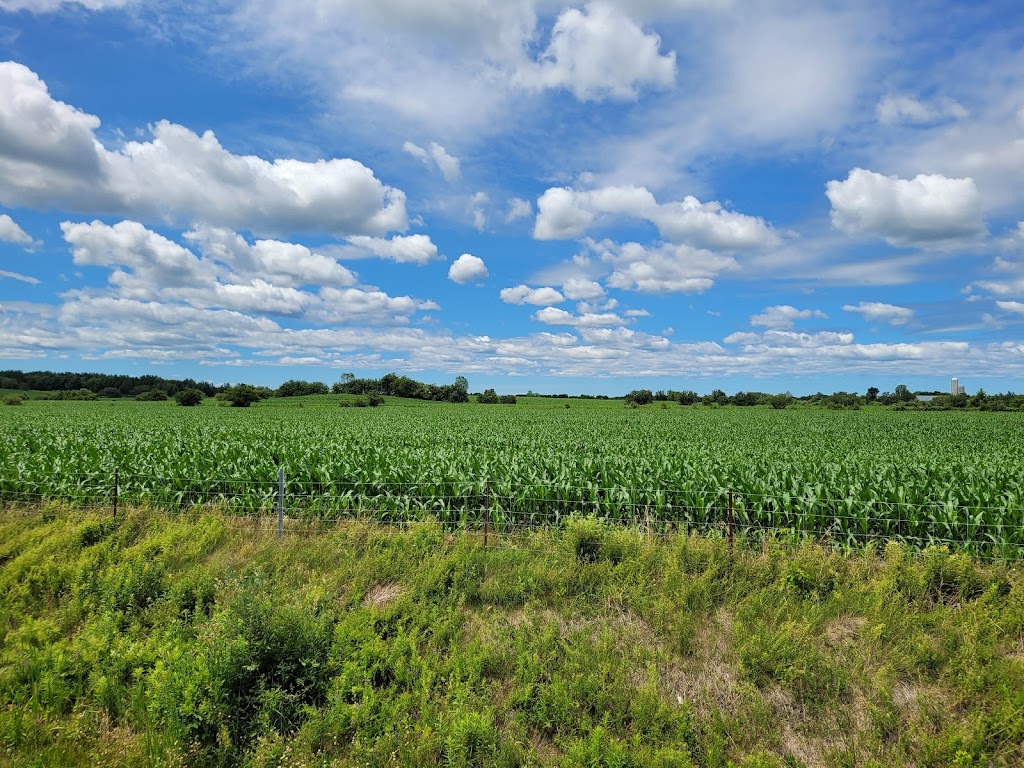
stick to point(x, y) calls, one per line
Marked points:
point(152, 395)
point(12, 400)
point(190, 397)
point(584, 535)
point(243, 395)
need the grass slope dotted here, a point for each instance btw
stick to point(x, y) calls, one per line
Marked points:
point(186, 641)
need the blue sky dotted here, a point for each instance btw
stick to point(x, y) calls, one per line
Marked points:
point(689, 194)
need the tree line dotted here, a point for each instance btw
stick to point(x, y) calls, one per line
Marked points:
point(101, 384)
point(901, 398)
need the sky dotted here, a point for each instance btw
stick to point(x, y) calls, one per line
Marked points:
point(770, 195)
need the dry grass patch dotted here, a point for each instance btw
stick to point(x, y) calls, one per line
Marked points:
point(380, 595)
point(709, 677)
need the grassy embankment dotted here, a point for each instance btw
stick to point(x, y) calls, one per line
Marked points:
point(150, 639)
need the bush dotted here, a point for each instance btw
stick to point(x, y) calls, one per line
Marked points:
point(12, 400)
point(190, 397)
point(243, 395)
point(152, 395)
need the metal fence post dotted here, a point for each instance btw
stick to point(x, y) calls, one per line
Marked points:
point(280, 502)
point(730, 521)
point(117, 479)
point(487, 511)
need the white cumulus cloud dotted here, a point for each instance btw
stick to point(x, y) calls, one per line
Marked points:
point(518, 209)
point(523, 294)
point(50, 157)
point(404, 249)
point(10, 232)
point(783, 316)
point(600, 53)
point(556, 316)
point(467, 269)
point(665, 268)
point(580, 289)
point(565, 213)
point(929, 209)
point(875, 311)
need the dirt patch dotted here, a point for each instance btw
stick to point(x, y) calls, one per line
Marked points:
point(382, 594)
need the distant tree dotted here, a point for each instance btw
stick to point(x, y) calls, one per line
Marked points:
point(489, 397)
point(779, 402)
point(152, 395)
point(297, 388)
point(903, 394)
point(242, 395)
point(717, 397)
point(872, 394)
point(189, 397)
point(640, 397)
point(509, 400)
point(109, 392)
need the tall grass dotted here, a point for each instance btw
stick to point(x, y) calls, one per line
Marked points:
point(185, 641)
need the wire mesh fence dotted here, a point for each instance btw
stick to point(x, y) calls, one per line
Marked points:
point(503, 511)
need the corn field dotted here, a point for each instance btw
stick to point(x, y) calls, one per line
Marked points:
point(849, 476)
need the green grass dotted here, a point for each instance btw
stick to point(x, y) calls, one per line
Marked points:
point(195, 640)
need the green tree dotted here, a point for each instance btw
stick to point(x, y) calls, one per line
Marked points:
point(189, 397)
point(241, 395)
point(872, 394)
point(903, 394)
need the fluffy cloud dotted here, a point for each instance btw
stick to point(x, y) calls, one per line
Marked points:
point(283, 263)
point(556, 316)
point(925, 210)
point(601, 53)
point(437, 155)
point(49, 156)
point(467, 269)
point(348, 304)
point(1011, 306)
point(10, 232)
point(559, 217)
point(154, 259)
point(523, 294)
point(261, 278)
point(518, 209)
point(783, 316)
point(404, 249)
point(565, 213)
point(578, 289)
point(662, 269)
point(906, 109)
point(878, 312)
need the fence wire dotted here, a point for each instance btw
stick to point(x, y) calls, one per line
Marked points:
point(505, 513)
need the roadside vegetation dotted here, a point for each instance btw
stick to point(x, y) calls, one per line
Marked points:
point(199, 640)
